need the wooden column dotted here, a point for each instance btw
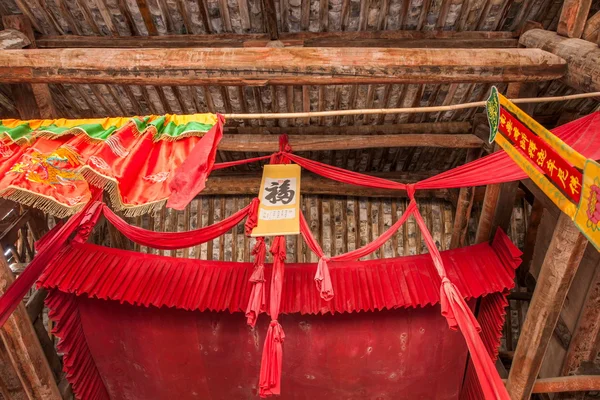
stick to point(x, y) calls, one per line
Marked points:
point(33, 101)
point(560, 265)
point(24, 349)
point(464, 205)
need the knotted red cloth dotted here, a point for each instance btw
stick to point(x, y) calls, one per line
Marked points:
point(257, 301)
point(270, 367)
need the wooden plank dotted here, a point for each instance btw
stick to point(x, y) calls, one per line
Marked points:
point(275, 66)
point(270, 143)
point(404, 39)
point(582, 57)
point(560, 265)
point(591, 32)
point(147, 17)
point(24, 349)
point(270, 18)
point(573, 17)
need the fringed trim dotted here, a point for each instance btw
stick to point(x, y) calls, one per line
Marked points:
point(43, 203)
point(79, 365)
point(146, 279)
point(492, 313)
point(111, 186)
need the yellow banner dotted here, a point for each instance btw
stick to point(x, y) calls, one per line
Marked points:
point(279, 210)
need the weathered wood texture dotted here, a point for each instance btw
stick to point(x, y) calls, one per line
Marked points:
point(400, 39)
point(567, 384)
point(264, 66)
point(24, 349)
point(13, 39)
point(573, 17)
point(583, 57)
point(591, 32)
point(560, 265)
point(270, 143)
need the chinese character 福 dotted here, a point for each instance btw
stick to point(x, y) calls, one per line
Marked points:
point(280, 192)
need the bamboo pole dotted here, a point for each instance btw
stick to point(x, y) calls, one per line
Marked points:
point(406, 110)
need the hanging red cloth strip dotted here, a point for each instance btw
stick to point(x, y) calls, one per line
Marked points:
point(51, 245)
point(229, 164)
point(190, 177)
point(257, 301)
point(459, 315)
point(177, 240)
point(322, 276)
point(271, 363)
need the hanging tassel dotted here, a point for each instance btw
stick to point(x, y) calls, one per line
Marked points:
point(323, 279)
point(270, 367)
point(451, 302)
point(257, 301)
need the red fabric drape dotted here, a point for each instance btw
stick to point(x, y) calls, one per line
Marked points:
point(177, 240)
point(322, 276)
point(270, 366)
point(190, 177)
point(52, 245)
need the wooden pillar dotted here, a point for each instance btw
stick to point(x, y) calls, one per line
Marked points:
point(560, 265)
point(33, 101)
point(464, 205)
point(24, 349)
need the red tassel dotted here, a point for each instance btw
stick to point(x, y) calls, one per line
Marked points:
point(257, 301)
point(252, 219)
point(323, 279)
point(270, 367)
point(451, 302)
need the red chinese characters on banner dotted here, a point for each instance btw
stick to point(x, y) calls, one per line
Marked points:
point(565, 177)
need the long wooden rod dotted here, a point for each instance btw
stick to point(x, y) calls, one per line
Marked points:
point(406, 110)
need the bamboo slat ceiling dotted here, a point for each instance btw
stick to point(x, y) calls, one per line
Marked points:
point(228, 20)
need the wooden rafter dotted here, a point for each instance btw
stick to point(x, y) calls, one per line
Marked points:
point(573, 17)
point(264, 66)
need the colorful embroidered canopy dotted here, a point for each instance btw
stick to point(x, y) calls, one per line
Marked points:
point(50, 164)
point(130, 325)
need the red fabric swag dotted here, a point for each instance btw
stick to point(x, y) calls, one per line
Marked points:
point(190, 176)
point(178, 240)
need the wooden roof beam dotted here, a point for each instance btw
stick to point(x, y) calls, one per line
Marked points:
point(583, 57)
point(573, 17)
point(274, 66)
point(269, 143)
point(403, 39)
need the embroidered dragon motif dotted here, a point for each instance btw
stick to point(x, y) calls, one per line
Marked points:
point(59, 167)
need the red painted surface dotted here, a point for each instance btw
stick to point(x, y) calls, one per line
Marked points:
point(146, 354)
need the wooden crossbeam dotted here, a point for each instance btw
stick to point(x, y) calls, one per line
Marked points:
point(269, 143)
point(560, 265)
point(285, 66)
point(402, 39)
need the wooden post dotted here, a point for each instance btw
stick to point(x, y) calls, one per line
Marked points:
point(24, 349)
point(464, 204)
point(560, 265)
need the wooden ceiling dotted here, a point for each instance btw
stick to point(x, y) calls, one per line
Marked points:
point(308, 23)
